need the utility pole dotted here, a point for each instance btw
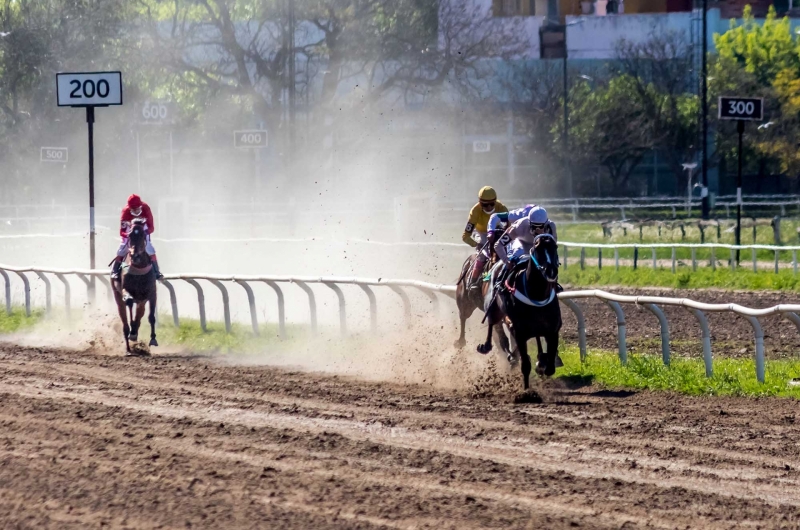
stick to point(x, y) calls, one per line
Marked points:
point(704, 91)
point(292, 79)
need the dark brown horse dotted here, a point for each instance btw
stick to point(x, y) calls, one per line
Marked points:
point(468, 300)
point(137, 285)
point(530, 303)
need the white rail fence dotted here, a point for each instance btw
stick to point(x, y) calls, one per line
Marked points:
point(638, 249)
point(432, 291)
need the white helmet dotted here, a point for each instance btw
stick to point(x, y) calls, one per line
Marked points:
point(537, 218)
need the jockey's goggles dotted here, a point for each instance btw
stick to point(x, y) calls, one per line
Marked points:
point(538, 227)
point(136, 212)
point(488, 206)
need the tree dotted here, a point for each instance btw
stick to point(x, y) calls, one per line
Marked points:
point(760, 60)
point(657, 70)
point(608, 128)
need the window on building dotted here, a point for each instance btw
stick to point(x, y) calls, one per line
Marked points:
point(513, 8)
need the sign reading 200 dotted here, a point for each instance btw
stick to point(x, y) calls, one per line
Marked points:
point(89, 89)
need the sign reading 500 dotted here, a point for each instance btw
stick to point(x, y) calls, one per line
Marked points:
point(97, 89)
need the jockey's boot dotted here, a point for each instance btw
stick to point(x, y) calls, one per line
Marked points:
point(159, 276)
point(474, 279)
point(116, 268)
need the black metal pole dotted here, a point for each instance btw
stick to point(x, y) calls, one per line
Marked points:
point(704, 82)
point(740, 130)
point(90, 122)
point(566, 121)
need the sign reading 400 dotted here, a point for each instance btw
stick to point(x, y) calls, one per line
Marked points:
point(250, 139)
point(89, 89)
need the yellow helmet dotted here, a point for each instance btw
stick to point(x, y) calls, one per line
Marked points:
point(487, 193)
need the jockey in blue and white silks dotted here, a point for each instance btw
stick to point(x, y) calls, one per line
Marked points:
point(518, 240)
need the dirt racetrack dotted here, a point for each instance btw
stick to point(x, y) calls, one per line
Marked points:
point(90, 440)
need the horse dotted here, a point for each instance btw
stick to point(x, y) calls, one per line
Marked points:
point(137, 286)
point(528, 300)
point(468, 300)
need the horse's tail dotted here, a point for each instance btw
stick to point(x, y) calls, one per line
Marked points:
point(465, 268)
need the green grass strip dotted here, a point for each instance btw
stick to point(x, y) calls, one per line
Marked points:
point(739, 279)
point(17, 321)
point(732, 377)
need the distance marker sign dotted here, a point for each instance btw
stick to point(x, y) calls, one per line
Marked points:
point(250, 139)
point(89, 89)
point(735, 108)
point(54, 154)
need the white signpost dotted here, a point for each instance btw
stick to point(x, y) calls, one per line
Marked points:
point(54, 154)
point(254, 139)
point(89, 90)
point(481, 146)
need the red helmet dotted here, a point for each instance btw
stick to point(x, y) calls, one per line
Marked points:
point(134, 202)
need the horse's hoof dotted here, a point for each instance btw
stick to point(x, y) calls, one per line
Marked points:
point(153, 342)
point(484, 349)
point(460, 343)
point(540, 369)
point(133, 337)
point(559, 362)
point(511, 359)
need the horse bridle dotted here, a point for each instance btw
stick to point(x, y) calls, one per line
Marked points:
point(533, 249)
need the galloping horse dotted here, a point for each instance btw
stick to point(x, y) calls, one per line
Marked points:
point(137, 286)
point(529, 302)
point(468, 300)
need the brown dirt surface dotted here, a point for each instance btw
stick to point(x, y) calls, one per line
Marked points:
point(731, 334)
point(89, 440)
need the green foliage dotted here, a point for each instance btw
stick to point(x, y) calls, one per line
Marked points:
point(760, 60)
point(732, 377)
point(17, 321)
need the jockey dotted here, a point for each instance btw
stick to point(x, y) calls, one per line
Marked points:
point(498, 222)
point(478, 223)
point(135, 209)
point(518, 239)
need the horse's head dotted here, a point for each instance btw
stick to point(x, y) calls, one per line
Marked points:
point(544, 256)
point(137, 237)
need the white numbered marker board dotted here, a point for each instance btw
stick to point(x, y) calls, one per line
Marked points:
point(98, 89)
point(250, 139)
point(54, 154)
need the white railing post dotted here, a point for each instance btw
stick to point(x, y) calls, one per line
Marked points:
point(201, 301)
point(694, 259)
point(251, 301)
point(662, 320)
point(226, 306)
point(373, 308)
point(703, 321)
point(27, 288)
point(621, 339)
point(674, 264)
point(281, 308)
point(173, 302)
point(342, 307)
point(312, 304)
point(4, 274)
point(47, 293)
point(755, 263)
point(759, 335)
point(616, 258)
point(576, 310)
point(655, 260)
point(67, 308)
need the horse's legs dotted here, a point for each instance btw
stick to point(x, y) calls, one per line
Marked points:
point(552, 352)
point(465, 310)
point(137, 321)
point(541, 363)
point(525, 362)
point(505, 345)
point(152, 319)
point(123, 315)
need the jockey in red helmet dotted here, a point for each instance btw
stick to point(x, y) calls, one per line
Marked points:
point(135, 209)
